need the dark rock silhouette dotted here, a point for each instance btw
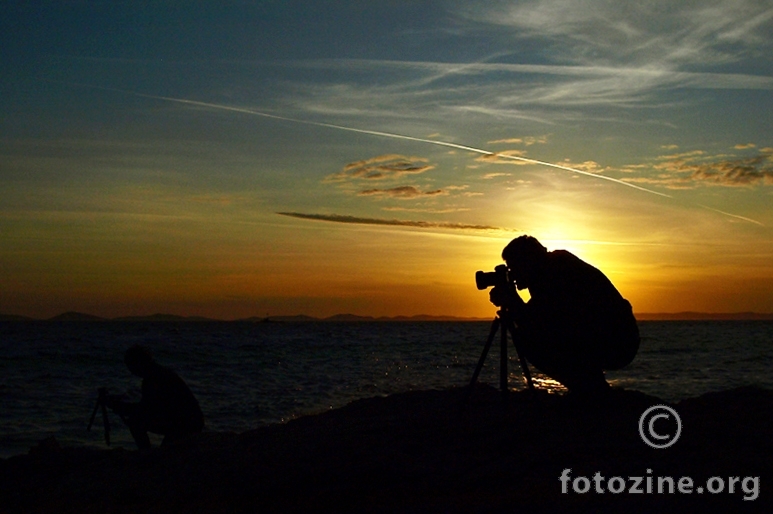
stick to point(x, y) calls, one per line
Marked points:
point(422, 451)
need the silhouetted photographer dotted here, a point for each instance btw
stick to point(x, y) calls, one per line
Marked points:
point(167, 406)
point(575, 325)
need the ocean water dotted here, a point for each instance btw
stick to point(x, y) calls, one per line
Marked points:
point(246, 375)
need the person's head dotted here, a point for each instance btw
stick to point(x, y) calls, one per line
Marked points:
point(524, 256)
point(138, 359)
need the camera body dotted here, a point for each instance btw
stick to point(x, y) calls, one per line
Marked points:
point(499, 277)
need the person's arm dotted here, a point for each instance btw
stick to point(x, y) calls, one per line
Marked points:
point(508, 299)
point(124, 409)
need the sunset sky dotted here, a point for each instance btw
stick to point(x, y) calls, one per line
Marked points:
point(233, 159)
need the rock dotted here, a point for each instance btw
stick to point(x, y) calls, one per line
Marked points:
point(426, 451)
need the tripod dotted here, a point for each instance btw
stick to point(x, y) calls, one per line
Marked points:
point(503, 321)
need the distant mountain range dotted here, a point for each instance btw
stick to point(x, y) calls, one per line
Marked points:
point(79, 316)
point(689, 315)
point(657, 316)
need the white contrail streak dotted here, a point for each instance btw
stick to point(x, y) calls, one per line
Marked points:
point(386, 134)
point(407, 138)
point(744, 218)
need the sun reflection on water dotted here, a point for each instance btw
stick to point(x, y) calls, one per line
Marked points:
point(546, 383)
point(541, 382)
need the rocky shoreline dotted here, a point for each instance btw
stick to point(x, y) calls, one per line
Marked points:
point(425, 451)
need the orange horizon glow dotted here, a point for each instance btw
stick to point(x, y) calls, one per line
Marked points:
point(294, 168)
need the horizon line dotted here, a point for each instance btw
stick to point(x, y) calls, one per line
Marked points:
point(640, 316)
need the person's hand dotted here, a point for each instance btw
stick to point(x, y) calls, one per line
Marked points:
point(500, 297)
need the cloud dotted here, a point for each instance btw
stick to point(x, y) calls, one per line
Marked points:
point(589, 166)
point(402, 192)
point(665, 180)
point(400, 93)
point(746, 146)
point(667, 75)
point(744, 172)
point(500, 158)
point(528, 141)
point(689, 169)
point(684, 155)
point(432, 211)
point(657, 31)
point(382, 167)
point(632, 168)
point(338, 218)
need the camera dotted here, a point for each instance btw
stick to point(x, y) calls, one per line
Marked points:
point(499, 277)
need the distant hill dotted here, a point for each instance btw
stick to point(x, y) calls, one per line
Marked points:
point(286, 319)
point(698, 316)
point(75, 316)
point(163, 317)
point(349, 317)
point(425, 317)
point(356, 318)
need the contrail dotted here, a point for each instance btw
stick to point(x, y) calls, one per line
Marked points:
point(403, 137)
point(382, 134)
point(744, 218)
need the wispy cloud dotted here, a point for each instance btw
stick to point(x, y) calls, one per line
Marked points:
point(647, 73)
point(657, 31)
point(489, 176)
point(589, 166)
point(394, 93)
point(446, 210)
point(742, 172)
point(527, 141)
point(690, 169)
point(339, 218)
point(402, 192)
point(596, 53)
point(382, 167)
point(505, 157)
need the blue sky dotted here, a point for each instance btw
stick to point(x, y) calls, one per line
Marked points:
point(224, 159)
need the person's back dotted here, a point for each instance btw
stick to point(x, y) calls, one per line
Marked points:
point(588, 307)
point(171, 408)
point(573, 288)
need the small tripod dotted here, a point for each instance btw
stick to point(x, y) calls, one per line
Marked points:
point(101, 399)
point(505, 322)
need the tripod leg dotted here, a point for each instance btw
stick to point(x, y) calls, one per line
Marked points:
point(106, 423)
point(503, 361)
point(94, 413)
point(524, 365)
point(494, 327)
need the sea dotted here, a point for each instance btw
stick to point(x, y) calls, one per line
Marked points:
point(251, 374)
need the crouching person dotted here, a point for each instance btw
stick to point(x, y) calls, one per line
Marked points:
point(575, 325)
point(167, 406)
